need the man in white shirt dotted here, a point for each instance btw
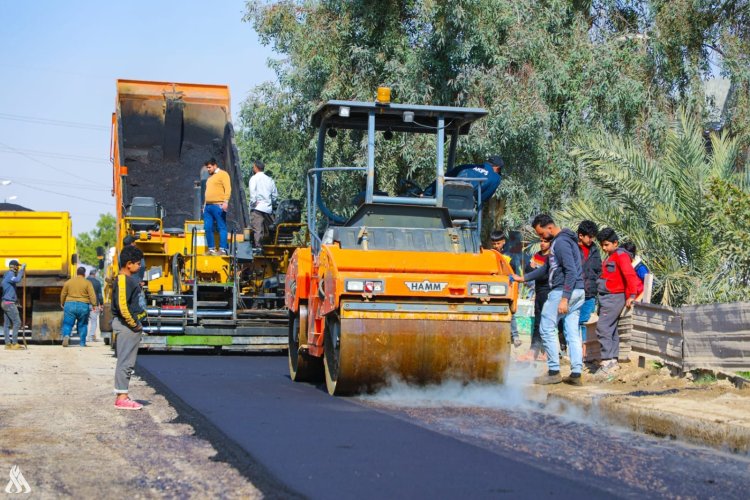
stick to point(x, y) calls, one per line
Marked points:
point(263, 194)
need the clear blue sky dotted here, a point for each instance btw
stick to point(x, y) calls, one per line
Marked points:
point(59, 62)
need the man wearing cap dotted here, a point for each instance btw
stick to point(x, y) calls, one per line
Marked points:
point(218, 192)
point(263, 195)
point(77, 299)
point(10, 303)
point(490, 171)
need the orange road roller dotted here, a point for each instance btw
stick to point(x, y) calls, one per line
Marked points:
point(400, 289)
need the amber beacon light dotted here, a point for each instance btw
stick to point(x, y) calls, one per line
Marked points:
point(384, 95)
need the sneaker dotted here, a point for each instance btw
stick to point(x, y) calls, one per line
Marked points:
point(8, 347)
point(65, 341)
point(223, 251)
point(570, 380)
point(127, 404)
point(212, 251)
point(607, 370)
point(17, 347)
point(548, 379)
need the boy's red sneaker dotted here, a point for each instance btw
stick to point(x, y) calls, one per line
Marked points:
point(127, 404)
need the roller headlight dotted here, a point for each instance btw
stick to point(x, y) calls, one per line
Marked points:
point(355, 286)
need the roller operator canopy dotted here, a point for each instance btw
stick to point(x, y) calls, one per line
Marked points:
point(396, 117)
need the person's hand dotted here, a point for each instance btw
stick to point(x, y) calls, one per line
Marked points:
point(518, 278)
point(517, 342)
point(562, 308)
point(225, 206)
point(629, 302)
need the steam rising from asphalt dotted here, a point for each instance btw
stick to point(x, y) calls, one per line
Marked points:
point(517, 393)
point(510, 395)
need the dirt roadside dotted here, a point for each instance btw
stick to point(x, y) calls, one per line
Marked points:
point(700, 410)
point(58, 425)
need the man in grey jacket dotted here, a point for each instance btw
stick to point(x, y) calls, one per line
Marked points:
point(10, 303)
point(564, 301)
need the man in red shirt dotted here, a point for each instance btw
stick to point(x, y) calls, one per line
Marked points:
point(617, 289)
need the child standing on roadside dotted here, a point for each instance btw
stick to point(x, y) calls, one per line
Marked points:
point(127, 314)
point(541, 290)
point(617, 289)
point(499, 239)
point(641, 270)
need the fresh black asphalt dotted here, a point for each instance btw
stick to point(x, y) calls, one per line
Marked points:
point(295, 440)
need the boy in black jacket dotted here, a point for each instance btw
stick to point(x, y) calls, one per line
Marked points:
point(127, 314)
point(591, 262)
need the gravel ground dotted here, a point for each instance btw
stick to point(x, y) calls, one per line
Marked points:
point(58, 425)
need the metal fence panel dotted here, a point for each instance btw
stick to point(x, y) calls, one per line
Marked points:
point(657, 331)
point(717, 336)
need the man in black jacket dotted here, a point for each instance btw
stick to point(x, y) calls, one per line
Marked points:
point(564, 300)
point(591, 262)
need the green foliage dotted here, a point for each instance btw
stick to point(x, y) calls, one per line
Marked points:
point(535, 66)
point(674, 207)
point(600, 78)
point(103, 235)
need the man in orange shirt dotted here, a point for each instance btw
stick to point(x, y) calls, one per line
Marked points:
point(218, 192)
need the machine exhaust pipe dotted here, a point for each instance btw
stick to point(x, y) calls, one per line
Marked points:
point(197, 201)
point(155, 312)
point(163, 329)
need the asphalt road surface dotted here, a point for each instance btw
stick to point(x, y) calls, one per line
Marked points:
point(295, 440)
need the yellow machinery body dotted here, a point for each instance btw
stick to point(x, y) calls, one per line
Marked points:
point(44, 242)
point(162, 134)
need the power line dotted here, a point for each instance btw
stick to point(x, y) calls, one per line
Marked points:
point(55, 155)
point(67, 195)
point(43, 163)
point(54, 123)
point(79, 185)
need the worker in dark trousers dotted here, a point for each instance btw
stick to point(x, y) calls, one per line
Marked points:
point(10, 303)
point(127, 317)
point(263, 195)
point(617, 289)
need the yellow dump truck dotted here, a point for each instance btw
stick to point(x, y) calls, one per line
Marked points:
point(44, 242)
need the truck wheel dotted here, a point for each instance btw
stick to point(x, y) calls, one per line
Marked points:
point(302, 366)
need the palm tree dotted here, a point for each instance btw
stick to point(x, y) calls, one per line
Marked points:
point(662, 204)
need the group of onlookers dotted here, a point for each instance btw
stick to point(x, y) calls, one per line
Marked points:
point(571, 278)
